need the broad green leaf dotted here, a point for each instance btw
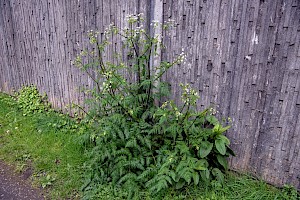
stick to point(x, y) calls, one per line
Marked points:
point(205, 174)
point(224, 139)
point(205, 149)
point(196, 178)
point(212, 119)
point(220, 145)
point(201, 165)
point(222, 160)
point(187, 177)
point(223, 129)
point(218, 174)
point(216, 128)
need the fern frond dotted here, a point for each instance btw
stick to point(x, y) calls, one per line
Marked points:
point(146, 174)
point(128, 177)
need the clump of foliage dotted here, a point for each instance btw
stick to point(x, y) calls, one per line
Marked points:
point(30, 101)
point(61, 123)
point(140, 142)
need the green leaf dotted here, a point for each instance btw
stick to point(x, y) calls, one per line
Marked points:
point(205, 175)
point(220, 145)
point(187, 176)
point(205, 149)
point(218, 174)
point(196, 178)
point(216, 128)
point(222, 160)
point(172, 175)
point(183, 148)
point(212, 119)
point(224, 138)
point(146, 83)
point(230, 151)
point(168, 179)
point(223, 129)
point(180, 184)
point(201, 165)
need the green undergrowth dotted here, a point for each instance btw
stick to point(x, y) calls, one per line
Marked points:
point(43, 144)
point(236, 187)
point(46, 143)
point(142, 139)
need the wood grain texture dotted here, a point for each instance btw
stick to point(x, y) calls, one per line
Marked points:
point(243, 56)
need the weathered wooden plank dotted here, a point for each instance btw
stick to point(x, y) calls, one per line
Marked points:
point(242, 55)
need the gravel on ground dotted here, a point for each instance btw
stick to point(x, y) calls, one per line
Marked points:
point(14, 186)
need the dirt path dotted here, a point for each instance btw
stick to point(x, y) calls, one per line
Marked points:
point(15, 186)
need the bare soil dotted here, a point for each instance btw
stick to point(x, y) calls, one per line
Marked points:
point(14, 186)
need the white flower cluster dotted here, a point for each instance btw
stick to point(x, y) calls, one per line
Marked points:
point(93, 36)
point(165, 25)
point(106, 85)
point(177, 114)
point(111, 28)
point(173, 107)
point(189, 95)
point(155, 23)
point(108, 74)
point(229, 120)
point(165, 104)
point(158, 38)
point(169, 23)
point(181, 58)
point(77, 62)
point(132, 18)
point(213, 111)
point(140, 29)
point(83, 53)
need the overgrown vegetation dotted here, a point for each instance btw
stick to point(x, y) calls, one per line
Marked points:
point(42, 145)
point(139, 144)
point(57, 162)
point(30, 100)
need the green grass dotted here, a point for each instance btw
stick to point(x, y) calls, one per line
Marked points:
point(240, 187)
point(237, 187)
point(47, 143)
point(35, 142)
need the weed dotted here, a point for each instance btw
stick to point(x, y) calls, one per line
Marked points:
point(139, 144)
point(30, 101)
point(47, 181)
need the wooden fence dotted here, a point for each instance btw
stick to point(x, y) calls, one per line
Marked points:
point(242, 55)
